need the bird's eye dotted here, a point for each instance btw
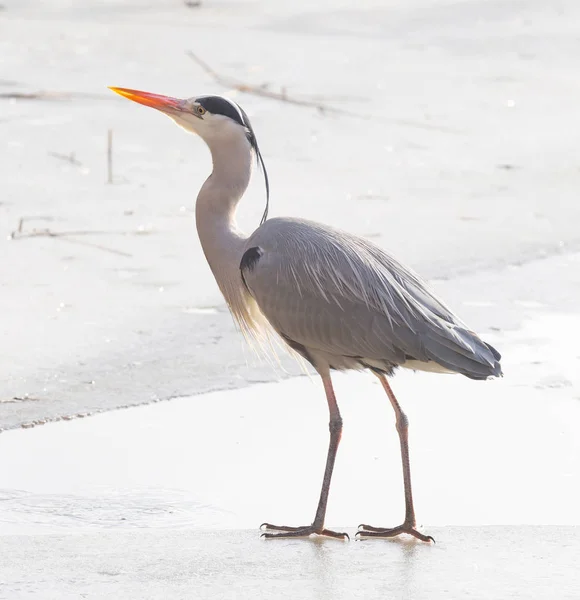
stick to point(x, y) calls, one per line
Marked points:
point(200, 110)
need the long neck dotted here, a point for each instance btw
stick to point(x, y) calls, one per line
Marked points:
point(219, 196)
point(221, 240)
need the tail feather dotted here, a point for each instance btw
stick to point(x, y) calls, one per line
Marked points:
point(479, 362)
point(495, 353)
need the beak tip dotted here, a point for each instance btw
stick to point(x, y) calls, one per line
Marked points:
point(116, 89)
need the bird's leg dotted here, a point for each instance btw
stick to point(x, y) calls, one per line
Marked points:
point(335, 426)
point(409, 526)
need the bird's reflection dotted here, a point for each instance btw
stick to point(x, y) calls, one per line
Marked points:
point(324, 568)
point(331, 573)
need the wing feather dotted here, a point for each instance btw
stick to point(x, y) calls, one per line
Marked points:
point(340, 294)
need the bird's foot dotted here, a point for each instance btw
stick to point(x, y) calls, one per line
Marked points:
point(368, 531)
point(307, 530)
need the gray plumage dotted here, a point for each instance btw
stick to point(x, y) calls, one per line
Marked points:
point(341, 300)
point(337, 299)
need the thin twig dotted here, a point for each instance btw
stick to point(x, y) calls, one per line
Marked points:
point(21, 223)
point(323, 108)
point(47, 95)
point(66, 236)
point(50, 233)
point(20, 399)
point(68, 158)
point(97, 246)
point(257, 90)
point(110, 156)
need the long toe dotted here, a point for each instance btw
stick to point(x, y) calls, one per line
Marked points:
point(368, 531)
point(280, 527)
point(370, 528)
point(306, 531)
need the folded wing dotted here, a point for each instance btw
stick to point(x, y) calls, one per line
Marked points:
point(336, 293)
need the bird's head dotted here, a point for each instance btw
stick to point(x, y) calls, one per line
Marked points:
point(217, 120)
point(210, 117)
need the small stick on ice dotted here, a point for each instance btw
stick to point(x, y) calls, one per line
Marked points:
point(71, 158)
point(256, 90)
point(47, 95)
point(67, 236)
point(283, 96)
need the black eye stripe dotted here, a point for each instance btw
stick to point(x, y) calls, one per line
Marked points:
point(217, 105)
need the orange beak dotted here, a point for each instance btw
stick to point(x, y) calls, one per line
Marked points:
point(162, 103)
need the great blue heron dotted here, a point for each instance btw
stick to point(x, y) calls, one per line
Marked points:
point(337, 299)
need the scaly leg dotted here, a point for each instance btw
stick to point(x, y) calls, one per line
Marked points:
point(335, 426)
point(409, 526)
